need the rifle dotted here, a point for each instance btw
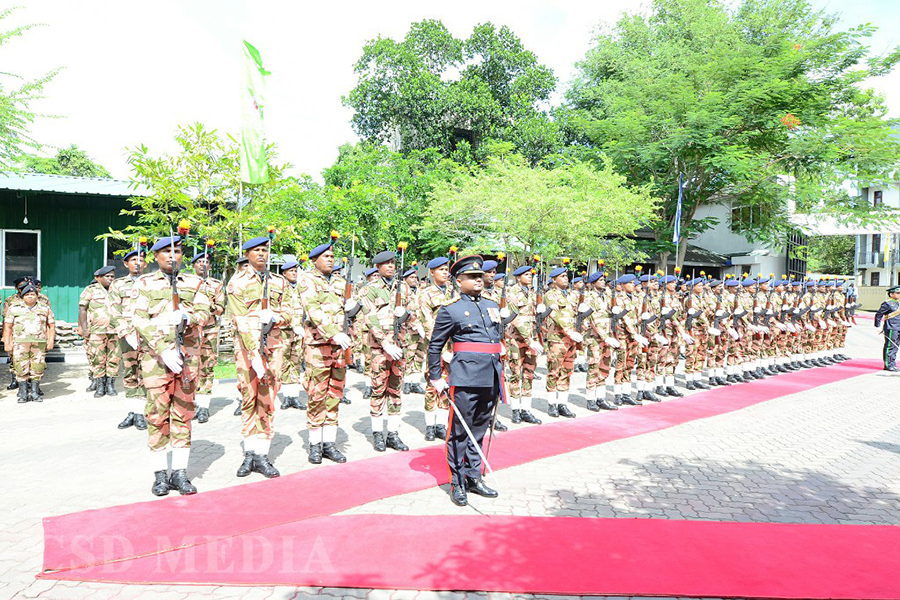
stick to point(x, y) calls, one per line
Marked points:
point(538, 301)
point(266, 328)
point(719, 308)
point(184, 228)
point(644, 302)
point(348, 294)
point(453, 285)
point(512, 315)
point(581, 316)
point(399, 319)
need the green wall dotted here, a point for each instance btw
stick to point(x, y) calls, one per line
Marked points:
point(69, 252)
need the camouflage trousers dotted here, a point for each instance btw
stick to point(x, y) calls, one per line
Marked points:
point(626, 358)
point(414, 353)
point(291, 349)
point(387, 379)
point(131, 370)
point(29, 359)
point(808, 343)
point(209, 341)
point(169, 412)
point(560, 364)
point(648, 361)
point(325, 377)
point(257, 397)
point(103, 355)
point(695, 354)
point(599, 361)
point(718, 350)
point(669, 354)
point(432, 400)
point(735, 348)
point(522, 362)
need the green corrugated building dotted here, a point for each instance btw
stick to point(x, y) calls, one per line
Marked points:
point(48, 226)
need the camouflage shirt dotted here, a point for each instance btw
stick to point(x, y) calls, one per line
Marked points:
point(562, 319)
point(30, 325)
point(322, 300)
point(122, 305)
point(379, 311)
point(519, 301)
point(245, 294)
point(99, 304)
point(597, 325)
point(215, 291)
point(152, 301)
point(430, 299)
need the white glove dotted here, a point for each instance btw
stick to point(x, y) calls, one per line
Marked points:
point(392, 350)
point(343, 340)
point(645, 316)
point(505, 312)
point(534, 345)
point(612, 342)
point(641, 340)
point(692, 312)
point(576, 337)
point(660, 339)
point(440, 385)
point(447, 356)
point(766, 330)
point(172, 360)
point(781, 326)
point(810, 327)
point(714, 332)
point(687, 338)
point(349, 305)
point(720, 313)
point(617, 310)
point(790, 327)
point(400, 312)
point(734, 334)
point(266, 316)
point(540, 308)
point(258, 367)
point(583, 307)
point(132, 340)
point(420, 330)
point(177, 316)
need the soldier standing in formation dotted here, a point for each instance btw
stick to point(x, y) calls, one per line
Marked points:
point(522, 345)
point(562, 340)
point(430, 300)
point(213, 289)
point(29, 330)
point(95, 325)
point(122, 301)
point(292, 342)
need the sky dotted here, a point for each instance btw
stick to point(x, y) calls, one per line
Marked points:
point(132, 72)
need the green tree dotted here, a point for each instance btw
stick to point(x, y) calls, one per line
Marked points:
point(435, 91)
point(756, 104)
point(832, 254)
point(575, 209)
point(68, 161)
point(16, 94)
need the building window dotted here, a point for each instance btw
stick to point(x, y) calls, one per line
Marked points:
point(876, 242)
point(20, 255)
point(875, 278)
point(114, 250)
point(877, 198)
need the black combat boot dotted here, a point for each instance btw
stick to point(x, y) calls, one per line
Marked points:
point(477, 486)
point(111, 387)
point(565, 411)
point(631, 400)
point(286, 402)
point(246, 466)
point(553, 410)
point(39, 390)
point(344, 400)
point(517, 416)
point(606, 404)
point(237, 411)
point(591, 406)
point(262, 466)
point(99, 387)
point(202, 415)
point(416, 388)
point(161, 485)
point(179, 481)
point(699, 385)
point(499, 426)
point(13, 384)
point(618, 399)
point(330, 451)
point(440, 431)
point(690, 385)
point(378, 441)
point(140, 422)
point(661, 391)
point(649, 396)
point(405, 388)
point(33, 392)
point(128, 422)
point(721, 381)
point(296, 402)
point(91, 387)
point(458, 495)
point(527, 417)
point(23, 394)
point(670, 390)
point(395, 443)
point(315, 454)
point(429, 433)
point(367, 393)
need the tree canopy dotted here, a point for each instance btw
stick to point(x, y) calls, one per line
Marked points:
point(68, 161)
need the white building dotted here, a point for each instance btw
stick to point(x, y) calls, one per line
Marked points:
point(877, 253)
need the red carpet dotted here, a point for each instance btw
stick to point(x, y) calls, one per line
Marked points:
point(124, 532)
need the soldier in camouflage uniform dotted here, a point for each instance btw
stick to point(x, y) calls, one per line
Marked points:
point(10, 300)
point(209, 335)
point(430, 300)
point(129, 345)
point(322, 301)
point(562, 339)
point(387, 364)
point(28, 334)
point(522, 346)
point(697, 321)
point(363, 335)
point(671, 327)
point(169, 371)
point(625, 310)
point(291, 348)
point(415, 342)
point(258, 367)
point(599, 343)
point(95, 314)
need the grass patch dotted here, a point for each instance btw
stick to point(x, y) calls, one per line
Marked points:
point(225, 369)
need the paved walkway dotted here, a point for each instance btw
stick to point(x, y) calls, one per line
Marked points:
point(830, 455)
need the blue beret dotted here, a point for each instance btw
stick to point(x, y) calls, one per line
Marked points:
point(489, 265)
point(166, 241)
point(645, 278)
point(715, 282)
point(668, 279)
point(315, 252)
point(467, 264)
point(521, 270)
point(370, 271)
point(499, 276)
point(557, 272)
point(254, 242)
point(628, 278)
point(732, 283)
point(829, 284)
point(131, 253)
point(440, 261)
point(762, 280)
point(695, 282)
point(748, 282)
point(383, 257)
point(103, 271)
point(594, 276)
point(408, 273)
point(796, 283)
point(577, 279)
point(810, 284)
point(291, 264)
point(337, 267)
point(198, 257)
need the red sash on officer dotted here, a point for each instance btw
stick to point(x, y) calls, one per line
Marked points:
point(485, 348)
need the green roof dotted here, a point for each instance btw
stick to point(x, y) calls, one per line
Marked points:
point(65, 184)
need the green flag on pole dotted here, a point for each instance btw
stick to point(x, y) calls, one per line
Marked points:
point(253, 145)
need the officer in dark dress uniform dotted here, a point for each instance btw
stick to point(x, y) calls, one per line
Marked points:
point(889, 312)
point(473, 324)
